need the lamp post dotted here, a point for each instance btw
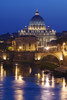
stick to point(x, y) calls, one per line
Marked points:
point(20, 48)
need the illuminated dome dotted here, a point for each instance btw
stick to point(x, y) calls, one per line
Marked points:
point(37, 22)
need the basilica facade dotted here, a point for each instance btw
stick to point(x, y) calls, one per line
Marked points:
point(38, 28)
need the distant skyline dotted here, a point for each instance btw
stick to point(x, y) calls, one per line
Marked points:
point(15, 14)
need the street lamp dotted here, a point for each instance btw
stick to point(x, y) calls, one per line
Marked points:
point(47, 48)
point(20, 48)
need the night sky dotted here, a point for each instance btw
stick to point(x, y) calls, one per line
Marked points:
point(15, 14)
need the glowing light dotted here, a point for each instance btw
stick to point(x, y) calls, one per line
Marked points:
point(1, 41)
point(38, 58)
point(47, 82)
point(30, 70)
point(47, 48)
point(19, 94)
point(42, 76)
point(20, 77)
point(61, 58)
point(64, 83)
point(16, 64)
point(16, 73)
point(20, 47)
point(65, 49)
point(1, 70)
point(38, 75)
point(43, 79)
point(53, 83)
point(64, 43)
point(42, 83)
point(10, 48)
point(4, 57)
point(64, 90)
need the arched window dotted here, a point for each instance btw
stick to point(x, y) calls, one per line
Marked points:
point(29, 45)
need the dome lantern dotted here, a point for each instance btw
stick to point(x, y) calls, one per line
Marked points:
point(37, 13)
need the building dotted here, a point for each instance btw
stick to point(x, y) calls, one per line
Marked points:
point(64, 34)
point(38, 28)
point(25, 43)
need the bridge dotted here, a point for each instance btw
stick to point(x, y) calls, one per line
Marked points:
point(59, 52)
point(41, 55)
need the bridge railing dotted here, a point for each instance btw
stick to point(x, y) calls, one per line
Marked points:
point(50, 49)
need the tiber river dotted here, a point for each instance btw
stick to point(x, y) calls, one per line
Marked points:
point(25, 84)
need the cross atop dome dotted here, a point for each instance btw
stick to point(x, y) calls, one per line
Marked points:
point(37, 13)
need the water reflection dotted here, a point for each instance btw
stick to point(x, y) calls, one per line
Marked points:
point(43, 76)
point(21, 72)
point(49, 83)
point(21, 86)
point(63, 93)
point(2, 75)
point(53, 82)
point(47, 95)
point(2, 72)
point(16, 74)
point(48, 80)
point(18, 91)
point(18, 84)
point(63, 84)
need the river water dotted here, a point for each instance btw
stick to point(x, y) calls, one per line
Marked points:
point(20, 84)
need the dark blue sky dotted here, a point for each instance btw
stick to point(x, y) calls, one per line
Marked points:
point(15, 14)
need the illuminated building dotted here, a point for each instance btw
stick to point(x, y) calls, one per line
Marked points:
point(37, 28)
point(25, 43)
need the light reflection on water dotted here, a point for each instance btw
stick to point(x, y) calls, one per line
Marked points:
point(64, 90)
point(41, 87)
point(18, 91)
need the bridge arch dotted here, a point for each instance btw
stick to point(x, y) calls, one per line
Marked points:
point(58, 55)
point(51, 58)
